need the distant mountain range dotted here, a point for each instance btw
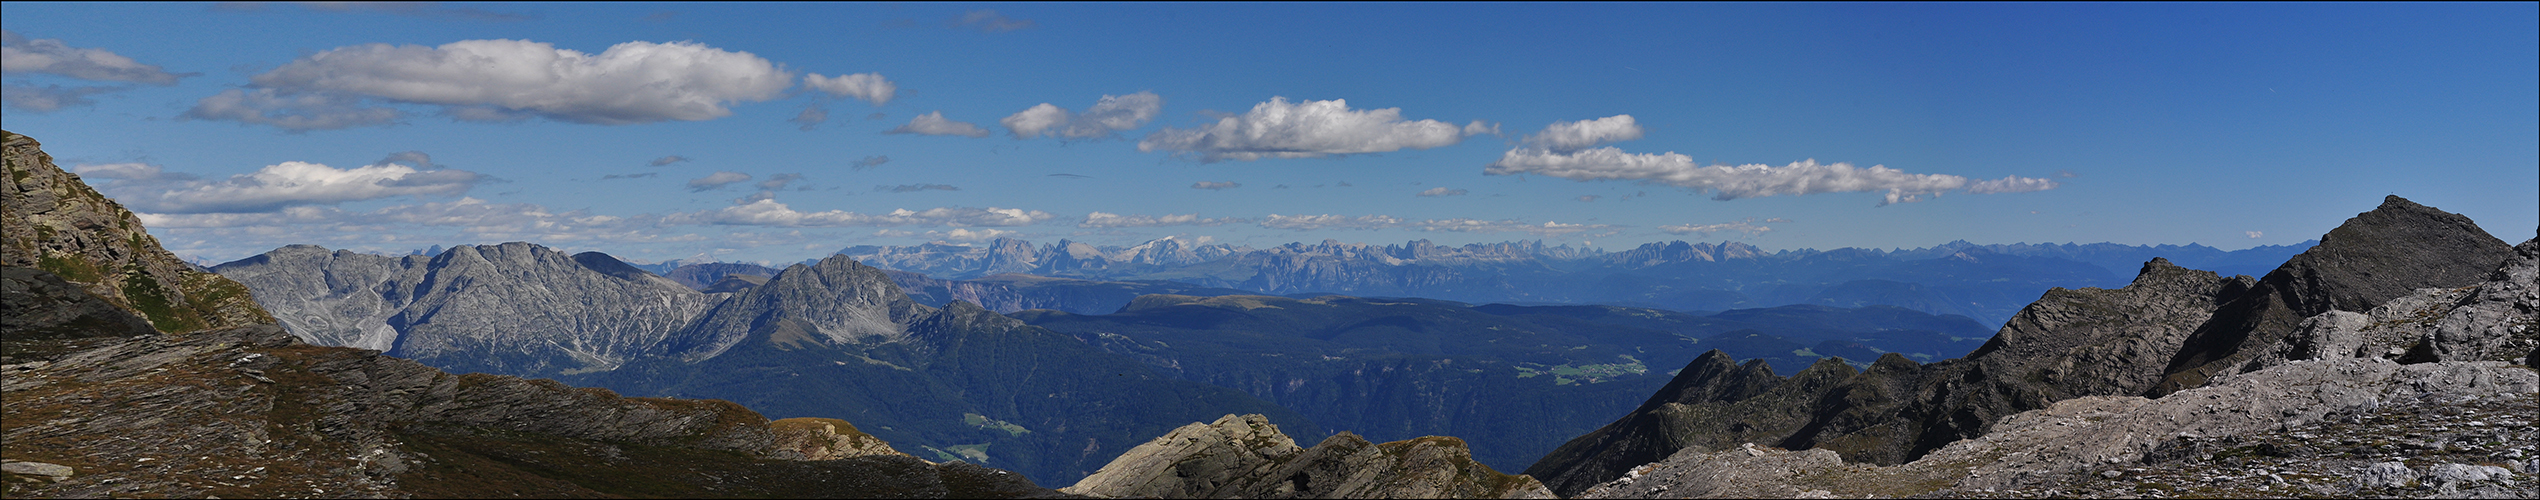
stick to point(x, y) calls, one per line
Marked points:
point(1985, 282)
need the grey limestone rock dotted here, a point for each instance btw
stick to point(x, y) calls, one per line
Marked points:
point(514, 309)
point(51, 220)
point(1247, 457)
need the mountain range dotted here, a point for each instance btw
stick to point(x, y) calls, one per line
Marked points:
point(1985, 282)
point(2408, 336)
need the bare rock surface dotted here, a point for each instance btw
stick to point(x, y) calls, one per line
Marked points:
point(513, 309)
point(54, 222)
point(2107, 446)
point(2171, 329)
point(252, 412)
point(1247, 457)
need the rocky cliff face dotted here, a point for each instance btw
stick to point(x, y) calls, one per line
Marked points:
point(2307, 428)
point(1247, 457)
point(2376, 256)
point(2068, 344)
point(514, 309)
point(56, 223)
point(252, 412)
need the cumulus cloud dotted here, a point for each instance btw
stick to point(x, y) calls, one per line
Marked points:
point(1307, 129)
point(1111, 220)
point(667, 160)
point(870, 87)
point(1215, 186)
point(870, 162)
point(1106, 118)
point(1441, 191)
point(1741, 227)
point(299, 112)
point(500, 80)
point(1567, 150)
point(20, 56)
point(933, 123)
point(768, 212)
point(715, 181)
point(911, 188)
point(1565, 137)
point(147, 188)
point(779, 181)
point(49, 98)
point(989, 21)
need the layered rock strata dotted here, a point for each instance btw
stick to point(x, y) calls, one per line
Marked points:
point(56, 223)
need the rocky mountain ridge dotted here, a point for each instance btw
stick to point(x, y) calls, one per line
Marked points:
point(514, 309)
point(58, 224)
point(2068, 344)
point(1247, 457)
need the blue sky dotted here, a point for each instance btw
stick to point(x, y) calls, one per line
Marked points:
point(243, 127)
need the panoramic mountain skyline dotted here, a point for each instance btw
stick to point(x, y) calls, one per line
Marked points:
point(780, 132)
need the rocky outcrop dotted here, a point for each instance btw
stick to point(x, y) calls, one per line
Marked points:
point(43, 307)
point(810, 438)
point(2078, 447)
point(2067, 344)
point(52, 221)
point(1247, 457)
point(2376, 256)
point(252, 412)
point(2497, 320)
point(513, 309)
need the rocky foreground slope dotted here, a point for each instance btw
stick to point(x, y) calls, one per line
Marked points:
point(2431, 394)
point(2171, 328)
point(1247, 457)
point(252, 412)
point(98, 404)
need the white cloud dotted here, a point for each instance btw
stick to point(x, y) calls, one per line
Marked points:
point(1106, 118)
point(715, 181)
point(933, 123)
point(870, 87)
point(1776, 219)
point(1742, 227)
point(295, 112)
point(1441, 191)
point(19, 56)
point(1215, 186)
point(769, 212)
point(1103, 220)
point(148, 189)
point(500, 80)
point(1564, 137)
point(2255, 234)
point(1307, 129)
point(1746, 181)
